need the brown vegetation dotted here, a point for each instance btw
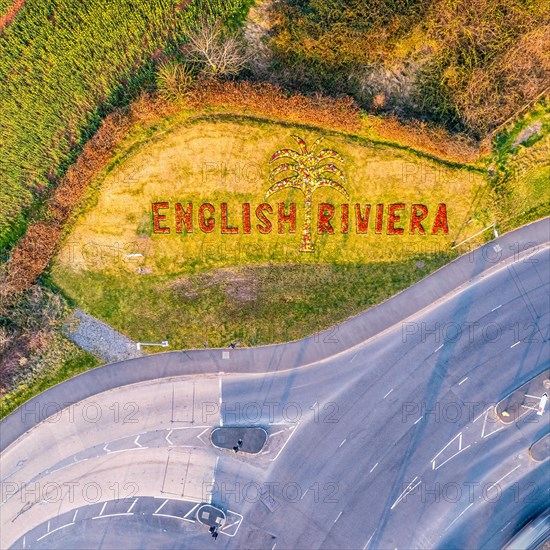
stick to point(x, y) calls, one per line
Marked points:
point(7, 18)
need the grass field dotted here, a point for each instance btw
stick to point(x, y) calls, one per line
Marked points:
point(197, 288)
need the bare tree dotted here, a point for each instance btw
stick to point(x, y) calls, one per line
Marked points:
point(219, 55)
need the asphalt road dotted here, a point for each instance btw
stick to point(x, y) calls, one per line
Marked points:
point(381, 434)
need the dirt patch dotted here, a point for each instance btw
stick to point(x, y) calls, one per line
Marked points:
point(238, 284)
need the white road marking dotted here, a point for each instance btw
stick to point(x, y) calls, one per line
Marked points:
point(285, 443)
point(505, 526)
point(368, 542)
point(75, 514)
point(504, 476)
point(417, 421)
point(190, 512)
point(462, 381)
point(406, 492)
point(221, 417)
point(106, 448)
point(438, 348)
point(353, 357)
point(168, 437)
point(459, 515)
point(388, 393)
point(483, 436)
point(372, 469)
point(305, 493)
point(275, 433)
point(337, 517)
point(103, 508)
point(495, 308)
point(514, 345)
point(239, 522)
point(160, 507)
point(342, 443)
point(114, 515)
point(460, 449)
point(136, 441)
point(133, 504)
point(199, 436)
point(51, 532)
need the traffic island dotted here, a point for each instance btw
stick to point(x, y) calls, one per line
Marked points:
point(211, 517)
point(239, 439)
point(524, 399)
point(540, 450)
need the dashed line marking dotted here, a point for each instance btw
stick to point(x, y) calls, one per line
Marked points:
point(372, 469)
point(337, 517)
point(459, 515)
point(462, 381)
point(388, 393)
point(504, 476)
point(342, 443)
point(495, 308)
point(368, 542)
point(514, 345)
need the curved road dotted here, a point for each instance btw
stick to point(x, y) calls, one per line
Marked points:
point(382, 432)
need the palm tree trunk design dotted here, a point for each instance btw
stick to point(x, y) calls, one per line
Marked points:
point(306, 244)
point(309, 173)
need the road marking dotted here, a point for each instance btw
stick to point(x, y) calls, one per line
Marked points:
point(406, 492)
point(417, 421)
point(342, 443)
point(438, 348)
point(106, 448)
point(168, 437)
point(368, 542)
point(462, 381)
point(285, 443)
point(133, 504)
point(273, 547)
point(51, 532)
point(337, 517)
point(113, 515)
point(495, 308)
point(75, 514)
point(238, 526)
point(514, 345)
point(372, 469)
point(354, 357)
point(103, 508)
point(504, 476)
point(199, 436)
point(136, 441)
point(305, 493)
point(190, 512)
point(275, 433)
point(505, 526)
point(457, 517)
point(483, 436)
point(161, 506)
point(221, 417)
point(388, 393)
point(460, 449)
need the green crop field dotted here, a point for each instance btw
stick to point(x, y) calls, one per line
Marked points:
point(63, 64)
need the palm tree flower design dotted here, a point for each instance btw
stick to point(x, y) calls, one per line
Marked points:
point(307, 172)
